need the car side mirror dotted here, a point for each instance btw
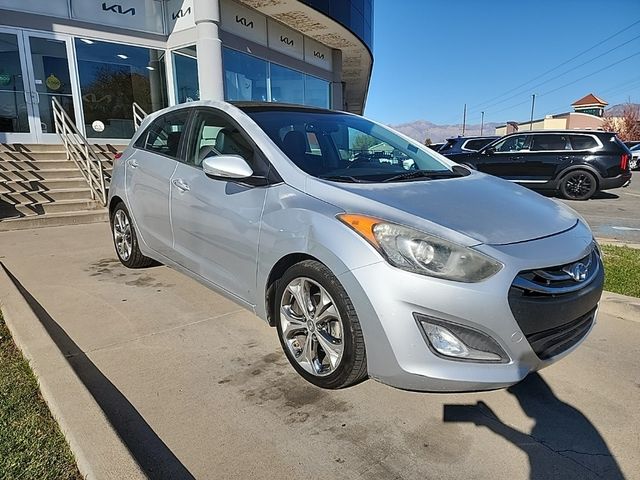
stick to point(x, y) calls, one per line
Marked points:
point(227, 166)
point(489, 150)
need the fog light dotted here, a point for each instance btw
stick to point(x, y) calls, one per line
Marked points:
point(459, 342)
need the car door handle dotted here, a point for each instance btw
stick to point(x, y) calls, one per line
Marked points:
point(133, 163)
point(180, 184)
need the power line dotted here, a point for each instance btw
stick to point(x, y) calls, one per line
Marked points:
point(558, 66)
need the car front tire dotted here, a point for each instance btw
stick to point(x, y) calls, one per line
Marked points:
point(318, 327)
point(125, 239)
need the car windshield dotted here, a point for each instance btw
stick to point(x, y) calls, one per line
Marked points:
point(342, 147)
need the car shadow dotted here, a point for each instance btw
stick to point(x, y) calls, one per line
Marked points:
point(153, 456)
point(560, 430)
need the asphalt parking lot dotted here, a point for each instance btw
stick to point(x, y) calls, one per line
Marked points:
point(198, 388)
point(614, 214)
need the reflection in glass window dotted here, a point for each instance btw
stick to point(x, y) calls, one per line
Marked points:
point(245, 77)
point(112, 77)
point(13, 106)
point(316, 92)
point(185, 66)
point(287, 86)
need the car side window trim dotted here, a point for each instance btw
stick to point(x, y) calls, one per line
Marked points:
point(142, 139)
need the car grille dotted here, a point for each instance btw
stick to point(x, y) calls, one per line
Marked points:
point(555, 306)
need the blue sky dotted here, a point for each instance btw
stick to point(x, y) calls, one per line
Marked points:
point(432, 56)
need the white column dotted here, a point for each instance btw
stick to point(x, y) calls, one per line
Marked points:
point(207, 18)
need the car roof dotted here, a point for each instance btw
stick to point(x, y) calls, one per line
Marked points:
point(565, 132)
point(479, 137)
point(273, 106)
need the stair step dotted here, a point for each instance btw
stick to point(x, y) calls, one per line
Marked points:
point(24, 196)
point(44, 174)
point(55, 219)
point(35, 185)
point(56, 147)
point(31, 165)
point(31, 156)
point(39, 208)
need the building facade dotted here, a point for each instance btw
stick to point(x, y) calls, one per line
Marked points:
point(99, 57)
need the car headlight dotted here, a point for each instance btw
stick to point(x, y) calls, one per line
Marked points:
point(419, 252)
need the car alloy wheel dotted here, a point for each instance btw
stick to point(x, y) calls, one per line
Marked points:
point(633, 163)
point(579, 185)
point(312, 328)
point(122, 234)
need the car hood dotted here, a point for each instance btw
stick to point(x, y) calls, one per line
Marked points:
point(469, 210)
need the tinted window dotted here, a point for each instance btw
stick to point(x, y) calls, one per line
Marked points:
point(215, 135)
point(329, 144)
point(513, 144)
point(447, 146)
point(583, 142)
point(550, 142)
point(164, 134)
point(478, 143)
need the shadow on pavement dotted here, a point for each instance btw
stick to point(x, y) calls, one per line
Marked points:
point(559, 429)
point(154, 457)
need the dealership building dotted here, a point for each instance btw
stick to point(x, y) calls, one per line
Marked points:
point(99, 57)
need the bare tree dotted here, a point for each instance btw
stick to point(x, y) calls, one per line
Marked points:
point(627, 125)
point(428, 141)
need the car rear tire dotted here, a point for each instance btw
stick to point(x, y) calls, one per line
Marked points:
point(125, 239)
point(578, 185)
point(318, 327)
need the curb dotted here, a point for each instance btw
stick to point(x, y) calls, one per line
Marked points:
point(620, 306)
point(617, 243)
point(99, 452)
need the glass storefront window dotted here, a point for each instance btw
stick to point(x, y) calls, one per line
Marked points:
point(112, 77)
point(13, 106)
point(245, 77)
point(316, 92)
point(185, 66)
point(287, 86)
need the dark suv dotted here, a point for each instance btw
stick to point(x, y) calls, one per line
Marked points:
point(577, 163)
point(457, 145)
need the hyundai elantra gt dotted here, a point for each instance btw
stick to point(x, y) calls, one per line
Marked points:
point(372, 255)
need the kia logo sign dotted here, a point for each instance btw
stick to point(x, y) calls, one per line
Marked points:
point(286, 40)
point(243, 21)
point(318, 54)
point(181, 13)
point(115, 8)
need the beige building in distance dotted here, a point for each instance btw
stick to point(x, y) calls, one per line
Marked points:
point(587, 115)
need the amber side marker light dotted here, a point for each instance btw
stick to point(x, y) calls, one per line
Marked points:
point(361, 224)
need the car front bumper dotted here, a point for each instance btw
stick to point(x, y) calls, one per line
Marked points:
point(398, 353)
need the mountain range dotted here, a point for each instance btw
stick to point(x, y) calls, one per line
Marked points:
point(422, 129)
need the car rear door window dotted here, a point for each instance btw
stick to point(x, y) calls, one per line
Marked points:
point(583, 142)
point(550, 142)
point(164, 135)
point(477, 143)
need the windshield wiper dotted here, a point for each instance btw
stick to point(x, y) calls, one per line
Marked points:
point(342, 178)
point(422, 174)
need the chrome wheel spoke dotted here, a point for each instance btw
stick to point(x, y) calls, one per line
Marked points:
point(291, 324)
point(309, 354)
point(331, 346)
point(122, 235)
point(301, 298)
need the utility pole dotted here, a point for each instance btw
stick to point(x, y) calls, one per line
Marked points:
point(464, 119)
point(482, 123)
point(533, 104)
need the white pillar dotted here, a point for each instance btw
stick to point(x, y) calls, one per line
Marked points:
point(209, 46)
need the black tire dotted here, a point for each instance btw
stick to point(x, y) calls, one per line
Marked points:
point(578, 185)
point(352, 368)
point(135, 259)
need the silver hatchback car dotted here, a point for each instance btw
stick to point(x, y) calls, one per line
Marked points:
point(372, 255)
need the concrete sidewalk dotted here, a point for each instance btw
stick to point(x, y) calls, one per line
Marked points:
point(196, 387)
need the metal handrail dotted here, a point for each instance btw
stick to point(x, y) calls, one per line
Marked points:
point(138, 115)
point(80, 151)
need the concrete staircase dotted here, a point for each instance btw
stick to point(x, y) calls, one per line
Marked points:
point(39, 187)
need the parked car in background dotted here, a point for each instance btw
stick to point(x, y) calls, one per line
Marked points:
point(634, 163)
point(390, 262)
point(575, 163)
point(457, 145)
point(436, 146)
